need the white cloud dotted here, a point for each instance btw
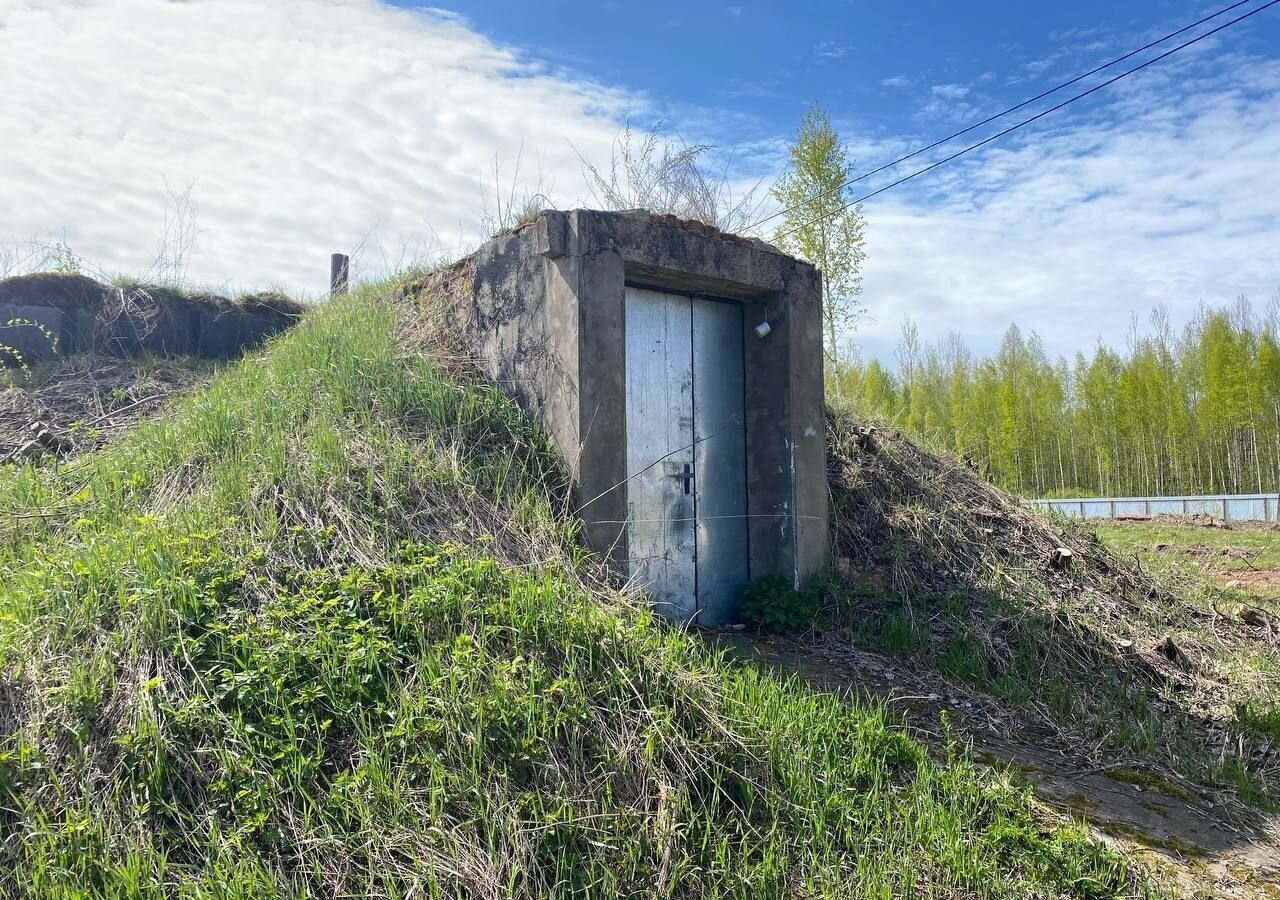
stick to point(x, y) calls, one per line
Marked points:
point(896, 81)
point(829, 50)
point(304, 124)
point(307, 123)
point(1168, 194)
point(949, 91)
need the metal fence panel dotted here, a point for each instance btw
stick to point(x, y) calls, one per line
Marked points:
point(1229, 507)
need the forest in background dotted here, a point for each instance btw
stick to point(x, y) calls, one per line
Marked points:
point(1190, 412)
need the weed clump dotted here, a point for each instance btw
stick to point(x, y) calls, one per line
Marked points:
point(772, 604)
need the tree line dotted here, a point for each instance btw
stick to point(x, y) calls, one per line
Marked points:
point(1171, 413)
point(1190, 412)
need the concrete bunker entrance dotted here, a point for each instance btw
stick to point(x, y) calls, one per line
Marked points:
point(678, 372)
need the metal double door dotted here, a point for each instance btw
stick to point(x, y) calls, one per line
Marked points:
point(686, 453)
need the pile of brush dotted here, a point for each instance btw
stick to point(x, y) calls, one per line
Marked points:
point(917, 528)
point(928, 523)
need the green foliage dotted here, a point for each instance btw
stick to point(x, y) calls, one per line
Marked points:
point(62, 260)
point(1001, 644)
point(319, 632)
point(1177, 414)
point(12, 356)
point(819, 225)
point(772, 604)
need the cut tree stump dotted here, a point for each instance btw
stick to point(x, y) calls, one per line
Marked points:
point(1061, 558)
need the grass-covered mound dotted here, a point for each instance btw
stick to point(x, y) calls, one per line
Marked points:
point(322, 631)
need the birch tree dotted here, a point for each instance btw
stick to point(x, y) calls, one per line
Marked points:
point(1191, 414)
point(819, 224)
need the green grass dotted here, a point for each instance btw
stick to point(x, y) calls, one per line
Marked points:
point(1193, 552)
point(1189, 560)
point(1002, 643)
point(324, 631)
point(1263, 544)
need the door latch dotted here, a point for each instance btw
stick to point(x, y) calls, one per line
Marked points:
point(687, 475)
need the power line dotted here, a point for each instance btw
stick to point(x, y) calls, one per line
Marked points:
point(1013, 128)
point(1003, 113)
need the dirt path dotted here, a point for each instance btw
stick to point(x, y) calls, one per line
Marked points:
point(1206, 845)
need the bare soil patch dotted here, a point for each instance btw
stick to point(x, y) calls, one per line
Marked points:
point(1252, 579)
point(1195, 520)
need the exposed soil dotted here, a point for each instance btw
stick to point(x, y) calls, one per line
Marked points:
point(1214, 556)
point(85, 400)
point(1198, 520)
point(1265, 580)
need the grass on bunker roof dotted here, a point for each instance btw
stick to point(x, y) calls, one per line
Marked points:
point(324, 630)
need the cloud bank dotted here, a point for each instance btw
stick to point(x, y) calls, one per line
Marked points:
point(1164, 191)
point(308, 125)
point(304, 125)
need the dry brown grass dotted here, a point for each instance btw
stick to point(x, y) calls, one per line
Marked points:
point(88, 398)
point(1136, 661)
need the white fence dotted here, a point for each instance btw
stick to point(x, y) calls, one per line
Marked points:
point(1228, 507)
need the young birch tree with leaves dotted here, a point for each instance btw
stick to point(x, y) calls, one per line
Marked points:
point(821, 225)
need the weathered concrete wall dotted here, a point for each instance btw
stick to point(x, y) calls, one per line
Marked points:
point(523, 331)
point(47, 313)
point(547, 321)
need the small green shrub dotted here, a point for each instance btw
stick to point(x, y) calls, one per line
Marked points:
point(772, 604)
point(11, 356)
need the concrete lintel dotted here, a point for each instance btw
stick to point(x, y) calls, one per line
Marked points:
point(683, 282)
point(663, 254)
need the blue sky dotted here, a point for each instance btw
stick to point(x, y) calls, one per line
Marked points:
point(875, 66)
point(361, 125)
point(768, 61)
